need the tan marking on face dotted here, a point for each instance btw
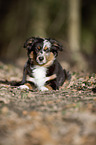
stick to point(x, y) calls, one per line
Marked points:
point(45, 48)
point(31, 55)
point(50, 57)
point(50, 60)
point(38, 47)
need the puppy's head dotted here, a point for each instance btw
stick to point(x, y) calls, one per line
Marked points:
point(42, 50)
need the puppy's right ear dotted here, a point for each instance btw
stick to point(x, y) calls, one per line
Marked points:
point(29, 43)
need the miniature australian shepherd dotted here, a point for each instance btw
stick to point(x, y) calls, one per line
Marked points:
point(42, 70)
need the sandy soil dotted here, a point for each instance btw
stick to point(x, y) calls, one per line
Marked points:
point(63, 117)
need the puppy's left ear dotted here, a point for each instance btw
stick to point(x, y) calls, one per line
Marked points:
point(30, 42)
point(56, 46)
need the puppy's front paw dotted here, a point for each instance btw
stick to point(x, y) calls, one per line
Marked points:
point(43, 88)
point(23, 87)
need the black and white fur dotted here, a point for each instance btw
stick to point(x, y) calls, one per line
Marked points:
point(42, 67)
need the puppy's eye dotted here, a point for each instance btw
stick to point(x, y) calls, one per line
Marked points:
point(38, 47)
point(46, 49)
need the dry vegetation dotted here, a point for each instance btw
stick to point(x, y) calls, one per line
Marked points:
point(63, 117)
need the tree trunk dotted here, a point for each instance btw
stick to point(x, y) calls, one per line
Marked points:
point(74, 32)
point(74, 25)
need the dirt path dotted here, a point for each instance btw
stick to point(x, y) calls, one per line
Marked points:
point(64, 117)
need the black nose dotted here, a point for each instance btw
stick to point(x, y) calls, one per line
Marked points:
point(41, 58)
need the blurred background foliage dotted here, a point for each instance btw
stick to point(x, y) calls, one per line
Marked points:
point(72, 22)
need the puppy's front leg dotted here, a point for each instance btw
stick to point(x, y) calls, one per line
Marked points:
point(24, 75)
point(30, 79)
point(52, 77)
point(23, 85)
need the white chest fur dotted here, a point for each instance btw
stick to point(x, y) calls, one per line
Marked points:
point(39, 74)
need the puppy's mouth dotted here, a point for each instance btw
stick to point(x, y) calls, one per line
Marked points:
point(41, 60)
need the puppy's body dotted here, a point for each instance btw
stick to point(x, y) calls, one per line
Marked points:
point(40, 78)
point(56, 68)
point(42, 68)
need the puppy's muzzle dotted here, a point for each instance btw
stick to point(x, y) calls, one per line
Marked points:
point(41, 58)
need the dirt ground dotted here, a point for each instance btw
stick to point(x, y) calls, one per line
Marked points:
point(63, 117)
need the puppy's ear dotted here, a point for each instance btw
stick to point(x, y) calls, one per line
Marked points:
point(56, 45)
point(30, 42)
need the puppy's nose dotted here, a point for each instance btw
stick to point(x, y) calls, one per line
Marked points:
point(41, 58)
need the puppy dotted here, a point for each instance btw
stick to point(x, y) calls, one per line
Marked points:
point(42, 68)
